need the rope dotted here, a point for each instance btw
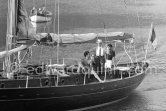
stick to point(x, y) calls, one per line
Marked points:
point(105, 32)
point(127, 11)
point(54, 19)
point(58, 36)
point(138, 18)
point(121, 57)
point(135, 51)
point(100, 12)
point(41, 53)
point(29, 51)
point(33, 3)
point(46, 16)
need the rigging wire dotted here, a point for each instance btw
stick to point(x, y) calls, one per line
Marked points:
point(46, 18)
point(103, 22)
point(33, 3)
point(138, 18)
point(54, 21)
point(139, 23)
point(46, 28)
point(125, 3)
point(54, 18)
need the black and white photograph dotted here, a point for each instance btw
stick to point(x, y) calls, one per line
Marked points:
point(82, 55)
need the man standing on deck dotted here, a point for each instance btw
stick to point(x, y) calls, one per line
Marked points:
point(99, 57)
point(109, 55)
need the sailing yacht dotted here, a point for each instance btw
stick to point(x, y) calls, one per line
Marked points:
point(57, 86)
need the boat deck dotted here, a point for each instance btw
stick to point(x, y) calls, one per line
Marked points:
point(23, 80)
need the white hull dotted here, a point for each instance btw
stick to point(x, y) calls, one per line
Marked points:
point(37, 18)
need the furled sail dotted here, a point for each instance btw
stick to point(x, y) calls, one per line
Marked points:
point(89, 37)
point(115, 36)
point(25, 28)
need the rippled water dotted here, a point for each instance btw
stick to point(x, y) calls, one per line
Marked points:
point(151, 94)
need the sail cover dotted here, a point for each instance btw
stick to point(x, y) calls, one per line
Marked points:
point(113, 36)
point(89, 37)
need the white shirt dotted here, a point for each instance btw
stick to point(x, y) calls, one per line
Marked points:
point(99, 51)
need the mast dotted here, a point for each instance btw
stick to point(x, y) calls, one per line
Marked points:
point(11, 31)
point(58, 37)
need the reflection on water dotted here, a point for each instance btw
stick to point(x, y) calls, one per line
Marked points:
point(139, 101)
point(134, 102)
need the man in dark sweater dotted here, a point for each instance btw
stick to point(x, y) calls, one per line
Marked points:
point(109, 55)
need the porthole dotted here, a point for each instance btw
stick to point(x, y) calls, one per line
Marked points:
point(62, 81)
point(47, 82)
point(77, 80)
point(2, 85)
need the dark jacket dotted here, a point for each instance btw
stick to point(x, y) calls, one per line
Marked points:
point(110, 55)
